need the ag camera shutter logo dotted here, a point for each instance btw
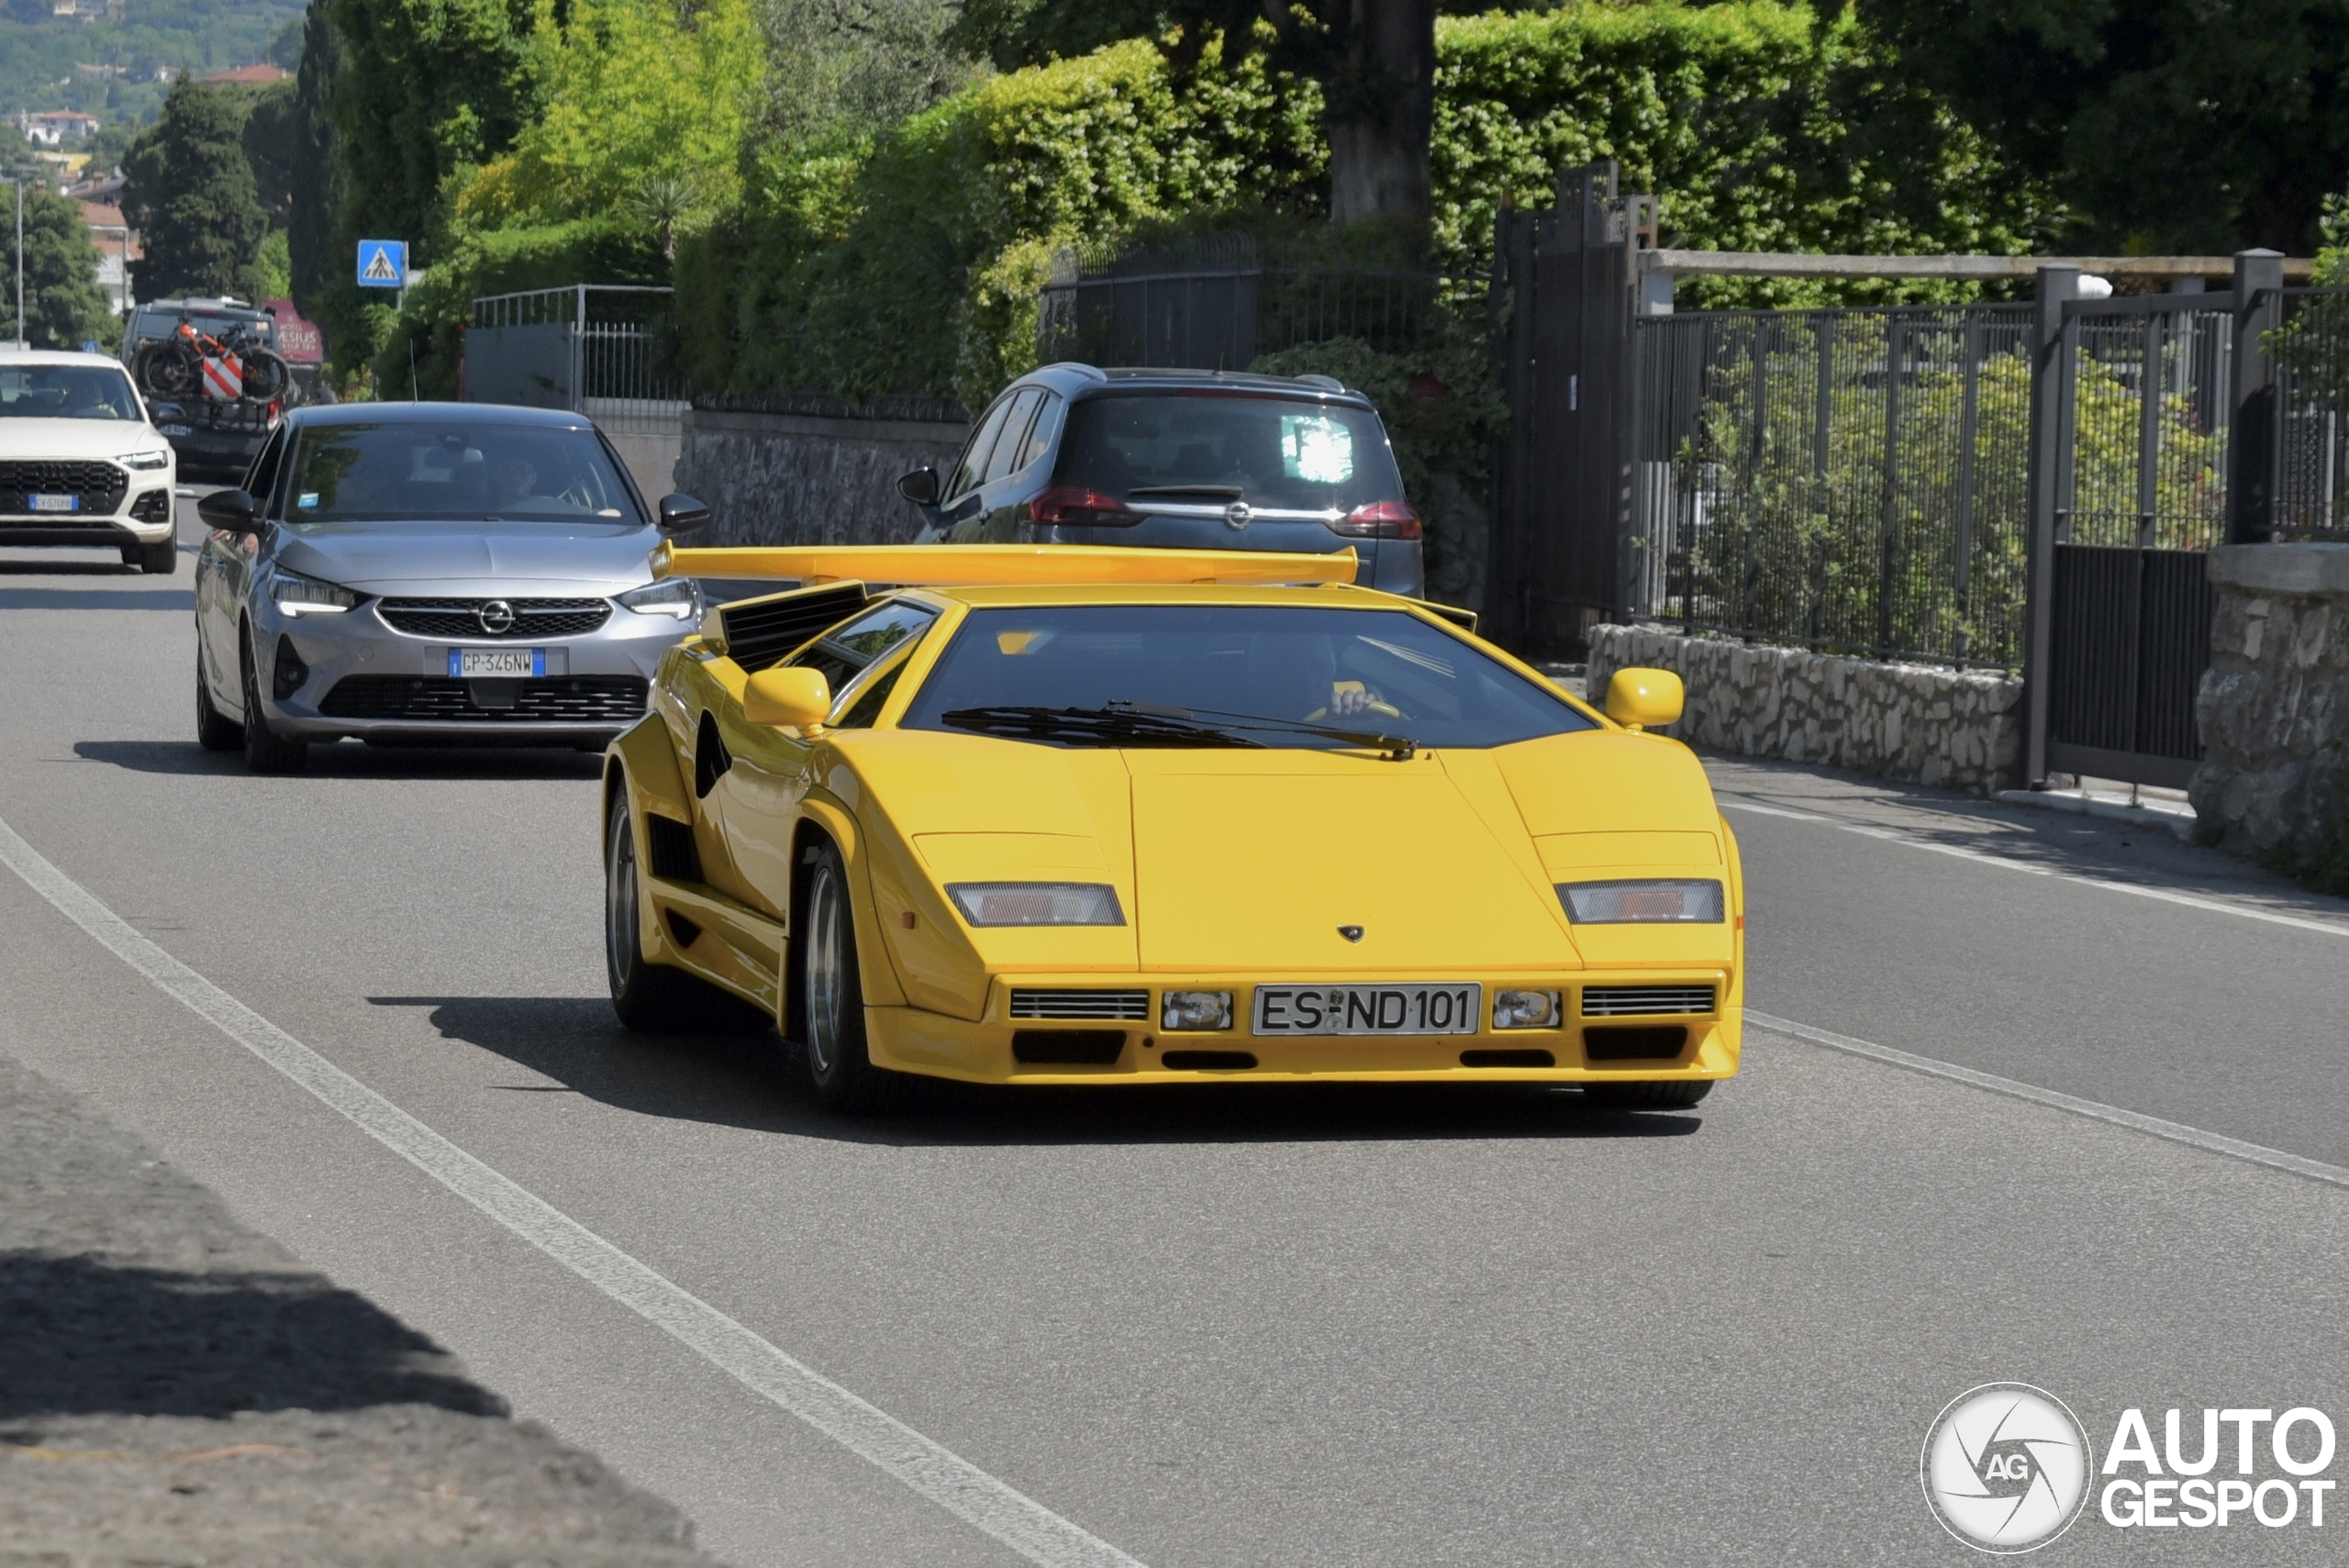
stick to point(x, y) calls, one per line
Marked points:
point(2006, 1467)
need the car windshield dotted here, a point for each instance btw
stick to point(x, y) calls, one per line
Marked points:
point(67, 392)
point(418, 472)
point(1146, 675)
point(1221, 446)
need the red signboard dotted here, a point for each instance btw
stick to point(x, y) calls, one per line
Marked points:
point(299, 340)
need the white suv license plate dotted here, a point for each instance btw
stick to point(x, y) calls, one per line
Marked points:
point(53, 502)
point(1455, 1008)
point(508, 663)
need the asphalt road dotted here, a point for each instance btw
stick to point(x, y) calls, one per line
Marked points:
point(1360, 1327)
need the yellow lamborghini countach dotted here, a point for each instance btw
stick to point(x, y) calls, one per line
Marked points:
point(1064, 815)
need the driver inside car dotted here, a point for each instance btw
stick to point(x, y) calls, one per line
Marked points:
point(1304, 671)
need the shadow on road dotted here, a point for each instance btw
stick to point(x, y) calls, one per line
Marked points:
point(84, 1336)
point(179, 601)
point(349, 760)
point(740, 1081)
point(71, 566)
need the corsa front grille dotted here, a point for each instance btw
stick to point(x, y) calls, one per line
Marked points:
point(435, 699)
point(1121, 1005)
point(1636, 1001)
point(99, 484)
point(535, 621)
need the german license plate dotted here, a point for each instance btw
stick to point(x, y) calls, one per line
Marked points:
point(471, 662)
point(53, 502)
point(1455, 1008)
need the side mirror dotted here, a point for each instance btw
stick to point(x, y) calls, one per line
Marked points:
point(1645, 699)
point(920, 487)
point(792, 698)
point(682, 514)
point(230, 511)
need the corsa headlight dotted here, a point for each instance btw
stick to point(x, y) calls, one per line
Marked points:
point(1036, 904)
point(1640, 903)
point(678, 596)
point(299, 595)
point(1526, 1010)
point(147, 460)
point(1182, 1010)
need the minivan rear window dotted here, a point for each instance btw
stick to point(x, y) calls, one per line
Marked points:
point(1266, 451)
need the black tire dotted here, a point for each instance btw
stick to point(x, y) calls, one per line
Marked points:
point(165, 368)
point(266, 753)
point(266, 374)
point(1672, 1095)
point(655, 998)
point(214, 730)
point(831, 994)
point(160, 559)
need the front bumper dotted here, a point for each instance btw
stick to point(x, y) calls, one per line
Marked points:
point(911, 1039)
point(143, 515)
point(401, 689)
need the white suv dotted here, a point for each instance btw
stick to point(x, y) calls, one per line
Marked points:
point(80, 463)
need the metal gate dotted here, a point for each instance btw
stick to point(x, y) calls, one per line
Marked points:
point(2145, 407)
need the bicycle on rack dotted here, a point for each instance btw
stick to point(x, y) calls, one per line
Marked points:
point(191, 362)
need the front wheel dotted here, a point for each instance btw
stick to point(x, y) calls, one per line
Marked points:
point(160, 559)
point(266, 753)
point(831, 999)
point(215, 732)
point(1672, 1095)
point(654, 999)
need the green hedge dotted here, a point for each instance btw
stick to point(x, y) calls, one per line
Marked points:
point(912, 265)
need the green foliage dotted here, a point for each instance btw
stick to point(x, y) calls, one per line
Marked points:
point(839, 69)
point(189, 192)
point(905, 265)
point(64, 306)
point(2169, 126)
point(41, 56)
point(270, 141)
point(275, 268)
point(314, 228)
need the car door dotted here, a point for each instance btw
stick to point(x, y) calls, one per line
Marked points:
point(224, 568)
point(759, 796)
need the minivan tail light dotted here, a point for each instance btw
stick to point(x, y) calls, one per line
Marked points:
point(1072, 506)
point(1379, 520)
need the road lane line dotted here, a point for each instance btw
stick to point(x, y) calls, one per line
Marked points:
point(2188, 900)
point(945, 1478)
point(2096, 1110)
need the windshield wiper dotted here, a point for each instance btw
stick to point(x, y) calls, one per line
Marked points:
point(1111, 726)
point(1397, 748)
point(1222, 492)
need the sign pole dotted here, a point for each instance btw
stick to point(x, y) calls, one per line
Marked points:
point(23, 336)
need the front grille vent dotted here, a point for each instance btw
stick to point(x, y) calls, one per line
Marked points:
point(1638, 1001)
point(100, 485)
point(1119, 1005)
point(579, 699)
point(535, 621)
point(674, 854)
point(153, 507)
point(757, 632)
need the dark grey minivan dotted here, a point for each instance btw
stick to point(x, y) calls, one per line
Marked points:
point(1179, 460)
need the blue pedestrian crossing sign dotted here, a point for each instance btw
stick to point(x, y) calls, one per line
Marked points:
point(383, 263)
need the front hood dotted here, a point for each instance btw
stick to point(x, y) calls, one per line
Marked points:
point(73, 439)
point(1254, 863)
point(471, 557)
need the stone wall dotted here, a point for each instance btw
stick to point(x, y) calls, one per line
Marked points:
point(2274, 705)
point(782, 478)
point(1944, 728)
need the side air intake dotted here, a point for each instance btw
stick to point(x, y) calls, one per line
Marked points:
point(757, 632)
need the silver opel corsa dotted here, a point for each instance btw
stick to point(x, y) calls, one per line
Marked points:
point(431, 573)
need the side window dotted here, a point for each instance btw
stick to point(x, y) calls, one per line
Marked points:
point(1014, 434)
point(975, 456)
point(844, 651)
point(872, 699)
point(263, 478)
point(1039, 434)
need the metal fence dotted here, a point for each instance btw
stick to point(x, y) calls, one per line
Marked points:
point(2311, 354)
point(594, 348)
point(1856, 481)
point(1219, 301)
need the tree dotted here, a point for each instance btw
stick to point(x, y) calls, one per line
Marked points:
point(272, 143)
point(188, 190)
point(1374, 60)
point(313, 231)
point(2170, 125)
point(64, 306)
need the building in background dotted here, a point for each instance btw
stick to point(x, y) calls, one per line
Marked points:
point(57, 128)
point(247, 77)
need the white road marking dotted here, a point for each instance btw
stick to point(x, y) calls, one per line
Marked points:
point(952, 1481)
point(2176, 1132)
point(2163, 895)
